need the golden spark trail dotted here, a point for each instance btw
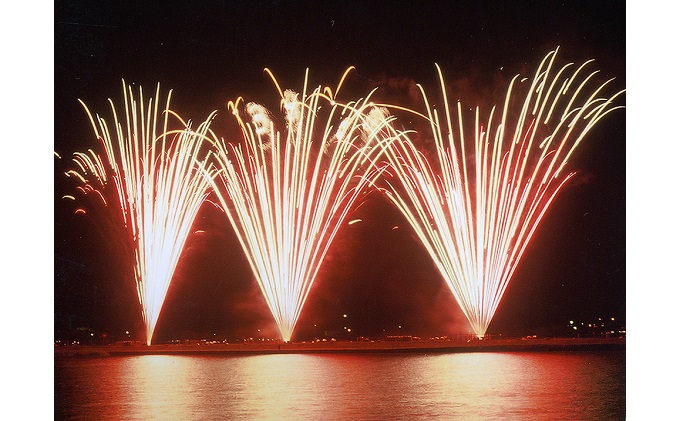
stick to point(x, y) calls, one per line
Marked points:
point(286, 193)
point(475, 217)
point(153, 180)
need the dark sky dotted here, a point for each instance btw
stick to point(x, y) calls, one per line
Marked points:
point(210, 53)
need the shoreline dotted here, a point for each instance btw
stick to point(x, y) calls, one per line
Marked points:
point(339, 347)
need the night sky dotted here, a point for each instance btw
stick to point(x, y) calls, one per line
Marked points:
point(210, 53)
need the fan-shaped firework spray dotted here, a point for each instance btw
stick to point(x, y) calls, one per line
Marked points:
point(147, 174)
point(287, 192)
point(476, 216)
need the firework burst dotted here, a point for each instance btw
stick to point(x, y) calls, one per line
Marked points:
point(148, 176)
point(475, 216)
point(287, 192)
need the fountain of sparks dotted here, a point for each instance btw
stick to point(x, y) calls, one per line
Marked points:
point(475, 218)
point(287, 193)
point(148, 176)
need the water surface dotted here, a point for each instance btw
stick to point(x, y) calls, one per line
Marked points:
point(521, 385)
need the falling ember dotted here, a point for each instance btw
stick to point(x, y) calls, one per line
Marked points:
point(289, 191)
point(353, 221)
point(476, 217)
point(149, 172)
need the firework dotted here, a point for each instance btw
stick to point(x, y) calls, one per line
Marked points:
point(148, 177)
point(287, 192)
point(476, 216)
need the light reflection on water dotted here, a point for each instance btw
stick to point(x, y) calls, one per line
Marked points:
point(568, 385)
